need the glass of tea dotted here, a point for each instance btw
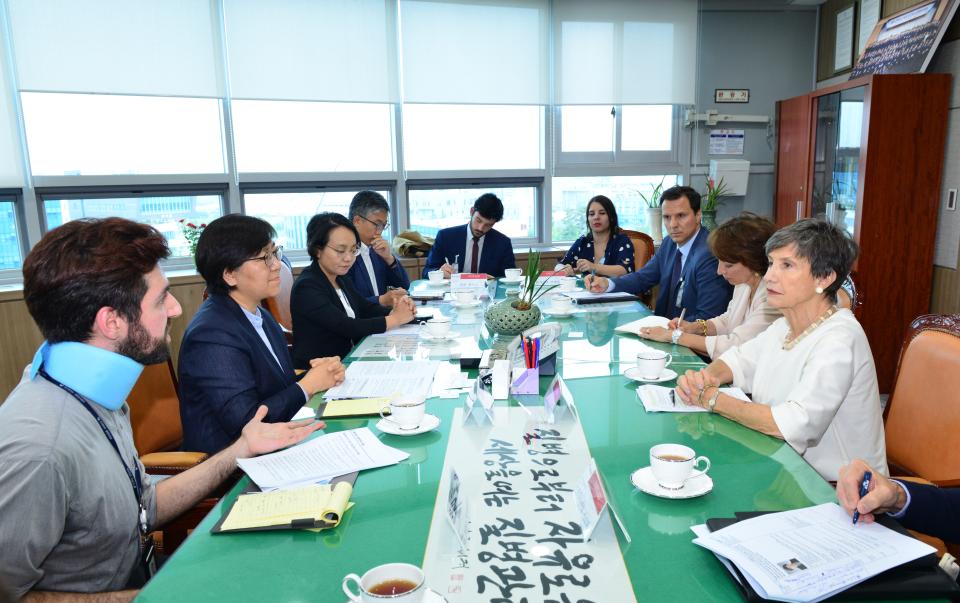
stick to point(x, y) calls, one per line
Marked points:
point(393, 582)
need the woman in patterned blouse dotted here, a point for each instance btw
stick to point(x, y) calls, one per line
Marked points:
point(605, 249)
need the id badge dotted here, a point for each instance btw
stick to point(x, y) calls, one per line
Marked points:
point(148, 557)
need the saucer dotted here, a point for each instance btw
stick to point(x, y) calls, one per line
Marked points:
point(511, 281)
point(429, 423)
point(471, 304)
point(431, 596)
point(634, 373)
point(450, 336)
point(696, 486)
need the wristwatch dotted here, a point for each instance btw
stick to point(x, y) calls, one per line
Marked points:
point(712, 402)
point(675, 336)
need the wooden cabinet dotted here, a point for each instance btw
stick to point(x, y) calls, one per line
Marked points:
point(867, 155)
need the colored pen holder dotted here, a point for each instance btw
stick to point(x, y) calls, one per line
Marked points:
point(526, 381)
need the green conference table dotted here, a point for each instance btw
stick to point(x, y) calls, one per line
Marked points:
point(394, 505)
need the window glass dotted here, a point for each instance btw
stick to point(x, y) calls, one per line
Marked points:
point(81, 134)
point(162, 212)
point(290, 212)
point(570, 197)
point(290, 136)
point(10, 252)
point(587, 129)
point(433, 209)
point(646, 127)
point(472, 137)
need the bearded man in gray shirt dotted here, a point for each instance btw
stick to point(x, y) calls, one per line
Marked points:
point(75, 502)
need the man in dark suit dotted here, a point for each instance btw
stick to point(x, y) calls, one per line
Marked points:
point(234, 356)
point(376, 268)
point(484, 250)
point(683, 266)
point(921, 507)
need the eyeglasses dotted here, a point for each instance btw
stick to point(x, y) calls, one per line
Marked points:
point(269, 257)
point(380, 227)
point(350, 252)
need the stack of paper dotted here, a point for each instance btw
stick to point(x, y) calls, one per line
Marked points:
point(311, 506)
point(656, 398)
point(321, 459)
point(371, 379)
point(647, 321)
point(809, 554)
point(586, 297)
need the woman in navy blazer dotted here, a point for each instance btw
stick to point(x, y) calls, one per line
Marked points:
point(329, 315)
point(234, 357)
point(604, 249)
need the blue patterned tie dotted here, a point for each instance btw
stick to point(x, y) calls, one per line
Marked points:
point(674, 281)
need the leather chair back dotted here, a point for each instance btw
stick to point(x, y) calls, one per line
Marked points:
point(642, 247)
point(279, 306)
point(155, 410)
point(922, 417)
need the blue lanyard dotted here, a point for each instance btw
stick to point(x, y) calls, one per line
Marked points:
point(135, 480)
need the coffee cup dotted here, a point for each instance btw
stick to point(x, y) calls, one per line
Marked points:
point(465, 297)
point(405, 413)
point(438, 326)
point(568, 283)
point(561, 303)
point(674, 464)
point(435, 276)
point(393, 582)
point(652, 362)
point(513, 273)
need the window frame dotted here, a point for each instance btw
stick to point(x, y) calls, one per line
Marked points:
point(298, 256)
point(650, 161)
point(15, 275)
point(109, 191)
point(486, 183)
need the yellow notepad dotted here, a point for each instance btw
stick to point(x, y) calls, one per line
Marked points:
point(322, 504)
point(357, 406)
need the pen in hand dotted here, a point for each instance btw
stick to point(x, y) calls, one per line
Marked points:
point(683, 311)
point(864, 488)
point(673, 397)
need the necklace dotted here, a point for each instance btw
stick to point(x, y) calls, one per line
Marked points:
point(789, 341)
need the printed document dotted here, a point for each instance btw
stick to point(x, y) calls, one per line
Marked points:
point(321, 459)
point(586, 297)
point(647, 321)
point(656, 398)
point(810, 554)
point(371, 379)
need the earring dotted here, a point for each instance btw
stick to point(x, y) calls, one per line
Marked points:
point(819, 290)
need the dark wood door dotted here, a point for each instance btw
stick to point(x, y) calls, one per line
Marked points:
point(793, 156)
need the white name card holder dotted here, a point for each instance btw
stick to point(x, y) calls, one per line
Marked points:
point(591, 497)
point(558, 401)
point(475, 283)
point(478, 404)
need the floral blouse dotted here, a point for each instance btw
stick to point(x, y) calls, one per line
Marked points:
point(619, 251)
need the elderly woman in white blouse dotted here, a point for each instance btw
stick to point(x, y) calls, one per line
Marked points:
point(739, 246)
point(811, 373)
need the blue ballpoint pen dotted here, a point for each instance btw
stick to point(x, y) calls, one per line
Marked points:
point(864, 488)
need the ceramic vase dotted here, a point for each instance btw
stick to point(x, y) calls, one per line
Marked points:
point(505, 319)
point(708, 218)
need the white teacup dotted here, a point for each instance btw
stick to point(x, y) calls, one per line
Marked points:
point(438, 326)
point(405, 413)
point(673, 465)
point(561, 303)
point(435, 276)
point(465, 297)
point(652, 362)
point(374, 586)
point(568, 283)
point(513, 273)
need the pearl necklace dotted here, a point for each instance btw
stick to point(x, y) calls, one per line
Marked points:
point(788, 343)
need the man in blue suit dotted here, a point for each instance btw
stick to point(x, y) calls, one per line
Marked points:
point(484, 250)
point(376, 269)
point(683, 266)
point(921, 507)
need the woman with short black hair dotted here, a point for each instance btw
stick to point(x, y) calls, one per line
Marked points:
point(329, 315)
point(234, 356)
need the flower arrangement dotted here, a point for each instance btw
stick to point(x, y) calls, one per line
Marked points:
point(653, 201)
point(715, 190)
point(529, 290)
point(191, 232)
